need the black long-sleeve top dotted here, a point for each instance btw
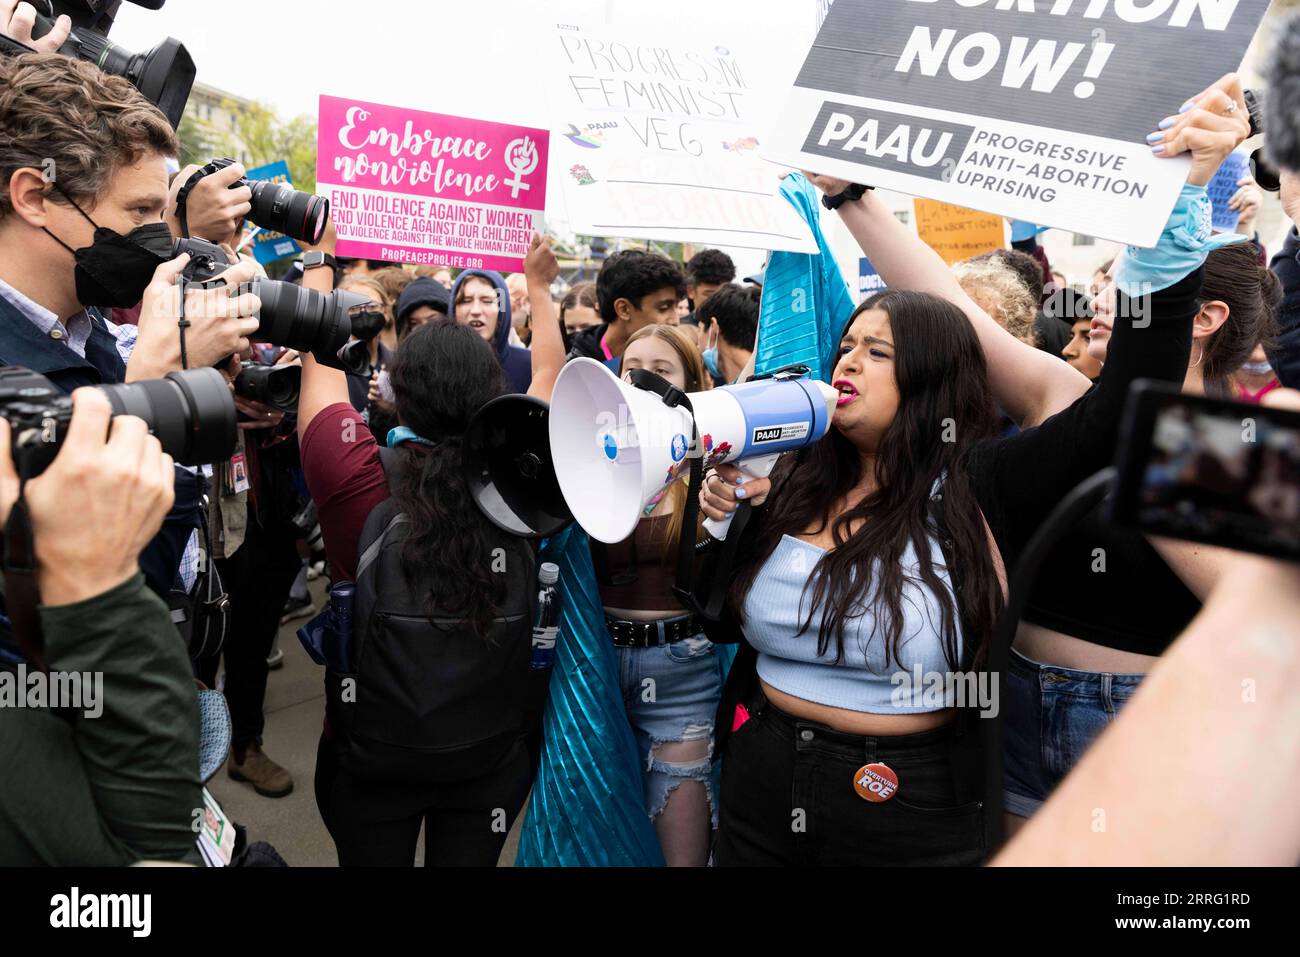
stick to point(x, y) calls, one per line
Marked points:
point(1285, 352)
point(1021, 478)
point(1100, 583)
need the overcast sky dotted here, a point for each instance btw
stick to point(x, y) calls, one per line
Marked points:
point(468, 57)
point(479, 58)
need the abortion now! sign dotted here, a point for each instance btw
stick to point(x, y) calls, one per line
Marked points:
point(1036, 110)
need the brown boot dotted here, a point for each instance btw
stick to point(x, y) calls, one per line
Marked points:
point(267, 778)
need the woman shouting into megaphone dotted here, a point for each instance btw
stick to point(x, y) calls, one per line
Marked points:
point(866, 588)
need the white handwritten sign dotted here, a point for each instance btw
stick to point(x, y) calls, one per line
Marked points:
point(659, 138)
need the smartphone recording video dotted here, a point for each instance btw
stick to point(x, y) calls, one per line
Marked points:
point(1210, 470)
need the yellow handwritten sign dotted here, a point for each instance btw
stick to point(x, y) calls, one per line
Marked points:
point(957, 233)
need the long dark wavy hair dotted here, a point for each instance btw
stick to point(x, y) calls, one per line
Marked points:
point(945, 407)
point(443, 374)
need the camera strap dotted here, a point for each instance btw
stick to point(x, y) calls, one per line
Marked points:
point(181, 322)
point(22, 599)
point(181, 197)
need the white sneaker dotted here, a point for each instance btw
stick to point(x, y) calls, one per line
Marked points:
point(276, 658)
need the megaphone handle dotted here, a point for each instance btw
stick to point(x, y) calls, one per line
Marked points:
point(755, 468)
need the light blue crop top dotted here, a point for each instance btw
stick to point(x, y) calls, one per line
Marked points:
point(777, 606)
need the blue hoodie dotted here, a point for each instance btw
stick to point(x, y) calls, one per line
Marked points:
point(515, 362)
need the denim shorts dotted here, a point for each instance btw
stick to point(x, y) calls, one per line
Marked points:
point(1053, 715)
point(671, 693)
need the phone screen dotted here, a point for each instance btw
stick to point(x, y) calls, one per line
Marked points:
point(1210, 470)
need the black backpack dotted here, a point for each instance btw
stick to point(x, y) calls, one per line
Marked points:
point(424, 686)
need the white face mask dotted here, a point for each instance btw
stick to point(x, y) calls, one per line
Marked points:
point(1257, 368)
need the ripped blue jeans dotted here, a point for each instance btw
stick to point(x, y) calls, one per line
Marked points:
point(671, 693)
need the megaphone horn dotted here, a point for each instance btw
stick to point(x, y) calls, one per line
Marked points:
point(615, 447)
point(507, 465)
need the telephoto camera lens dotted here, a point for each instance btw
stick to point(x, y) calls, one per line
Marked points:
point(276, 386)
point(280, 207)
point(164, 75)
point(192, 413)
point(304, 319)
point(291, 316)
point(355, 358)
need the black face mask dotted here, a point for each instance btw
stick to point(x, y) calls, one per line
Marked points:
point(368, 324)
point(115, 270)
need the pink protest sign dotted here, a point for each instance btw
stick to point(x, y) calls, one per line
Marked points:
point(413, 187)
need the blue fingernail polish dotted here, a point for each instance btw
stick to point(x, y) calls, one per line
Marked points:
point(1167, 122)
point(1186, 106)
point(741, 493)
point(1158, 149)
point(740, 480)
point(1155, 137)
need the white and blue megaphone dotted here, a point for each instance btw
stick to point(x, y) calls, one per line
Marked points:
point(615, 446)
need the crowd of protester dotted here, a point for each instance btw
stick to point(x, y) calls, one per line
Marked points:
point(884, 549)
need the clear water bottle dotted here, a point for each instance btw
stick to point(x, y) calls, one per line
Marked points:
point(546, 627)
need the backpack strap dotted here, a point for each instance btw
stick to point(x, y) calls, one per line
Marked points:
point(375, 532)
point(391, 460)
point(372, 551)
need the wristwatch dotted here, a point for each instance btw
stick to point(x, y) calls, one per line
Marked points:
point(1254, 110)
point(315, 258)
point(852, 193)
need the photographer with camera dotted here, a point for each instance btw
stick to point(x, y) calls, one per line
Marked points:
point(18, 21)
point(215, 206)
point(82, 161)
point(123, 785)
point(257, 570)
point(253, 541)
point(212, 202)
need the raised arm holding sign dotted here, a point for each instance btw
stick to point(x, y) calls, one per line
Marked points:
point(1030, 109)
point(1029, 384)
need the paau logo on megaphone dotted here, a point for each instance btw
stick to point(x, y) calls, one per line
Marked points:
point(781, 433)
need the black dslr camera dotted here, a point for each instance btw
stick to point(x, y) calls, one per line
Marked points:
point(276, 386)
point(276, 206)
point(191, 413)
point(1209, 470)
point(367, 323)
point(164, 75)
point(291, 317)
